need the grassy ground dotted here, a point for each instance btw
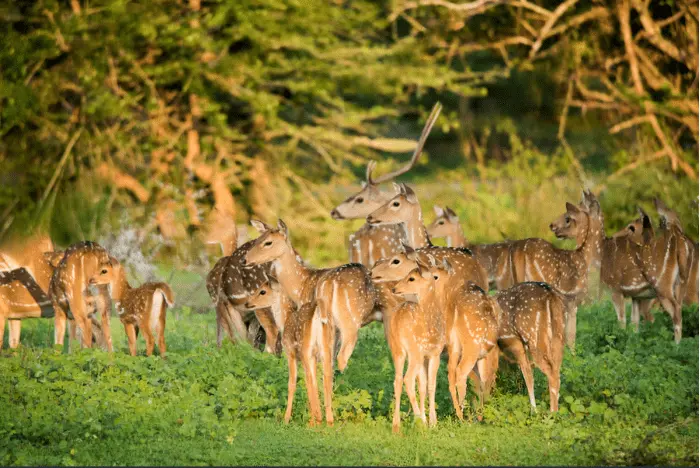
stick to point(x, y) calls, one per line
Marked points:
point(626, 399)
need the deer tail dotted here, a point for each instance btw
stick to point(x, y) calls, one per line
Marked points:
point(161, 292)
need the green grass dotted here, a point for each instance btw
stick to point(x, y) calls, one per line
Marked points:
point(626, 399)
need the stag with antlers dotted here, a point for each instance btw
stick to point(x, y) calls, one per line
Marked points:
point(372, 242)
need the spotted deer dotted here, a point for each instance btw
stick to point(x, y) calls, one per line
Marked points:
point(495, 258)
point(22, 295)
point(533, 321)
point(404, 209)
point(456, 296)
point(71, 296)
point(139, 309)
point(565, 270)
point(26, 253)
point(687, 254)
point(229, 283)
point(372, 242)
point(658, 258)
point(344, 295)
point(304, 337)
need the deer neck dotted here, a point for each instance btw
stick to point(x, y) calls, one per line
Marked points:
point(456, 238)
point(589, 245)
point(416, 234)
point(122, 290)
point(292, 274)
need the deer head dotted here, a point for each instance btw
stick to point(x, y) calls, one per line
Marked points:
point(271, 244)
point(395, 267)
point(112, 273)
point(401, 208)
point(571, 223)
point(370, 198)
point(634, 231)
point(421, 280)
point(262, 298)
point(445, 224)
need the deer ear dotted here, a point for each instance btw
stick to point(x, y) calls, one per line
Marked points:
point(410, 252)
point(368, 173)
point(283, 228)
point(438, 211)
point(451, 215)
point(432, 261)
point(113, 262)
point(447, 266)
point(642, 213)
point(571, 208)
point(410, 194)
point(397, 188)
point(259, 226)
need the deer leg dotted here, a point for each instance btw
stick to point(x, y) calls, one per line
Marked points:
point(327, 353)
point(15, 329)
point(674, 310)
point(161, 331)
point(518, 351)
point(349, 339)
point(150, 340)
point(3, 320)
point(410, 382)
point(433, 366)
point(291, 385)
point(634, 318)
point(488, 366)
point(465, 366)
point(422, 388)
point(222, 324)
point(618, 301)
point(453, 356)
point(399, 361)
point(309, 363)
point(645, 309)
point(59, 324)
point(106, 330)
point(267, 321)
point(130, 330)
point(570, 327)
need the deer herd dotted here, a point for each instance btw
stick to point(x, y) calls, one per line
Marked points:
point(431, 299)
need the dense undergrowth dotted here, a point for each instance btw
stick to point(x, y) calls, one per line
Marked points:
point(626, 399)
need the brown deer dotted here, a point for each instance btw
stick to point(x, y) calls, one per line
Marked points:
point(533, 319)
point(456, 296)
point(565, 270)
point(372, 242)
point(417, 331)
point(70, 295)
point(659, 260)
point(345, 294)
point(27, 253)
point(687, 254)
point(495, 258)
point(22, 297)
point(304, 337)
point(142, 308)
point(405, 210)
point(229, 283)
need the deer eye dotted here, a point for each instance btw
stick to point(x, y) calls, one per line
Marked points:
point(631, 228)
point(441, 223)
point(411, 278)
point(395, 261)
point(359, 200)
point(436, 277)
point(567, 219)
point(262, 293)
point(103, 272)
point(268, 244)
point(396, 203)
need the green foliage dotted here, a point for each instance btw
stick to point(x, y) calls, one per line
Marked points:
point(626, 399)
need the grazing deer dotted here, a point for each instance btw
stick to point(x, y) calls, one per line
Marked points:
point(142, 308)
point(495, 258)
point(229, 283)
point(659, 260)
point(533, 320)
point(305, 337)
point(345, 294)
point(456, 296)
point(70, 295)
point(372, 242)
point(26, 253)
point(565, 270)
point(404, 209)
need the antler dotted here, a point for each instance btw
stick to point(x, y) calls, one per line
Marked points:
point(419, 149)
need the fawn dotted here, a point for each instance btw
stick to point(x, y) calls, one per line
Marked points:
point(142, 308)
